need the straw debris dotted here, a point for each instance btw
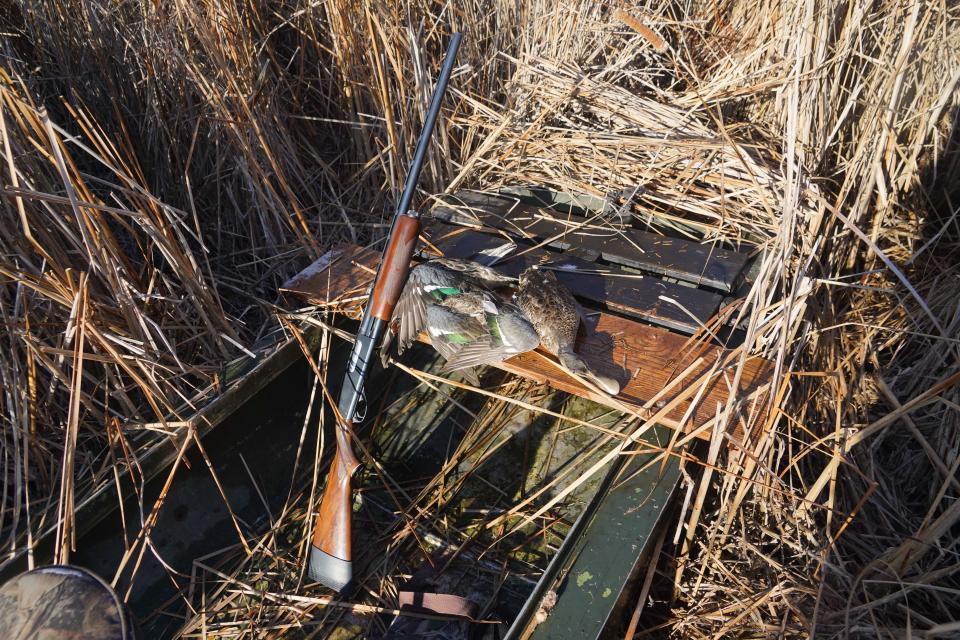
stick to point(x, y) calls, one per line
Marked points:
point(167, 166)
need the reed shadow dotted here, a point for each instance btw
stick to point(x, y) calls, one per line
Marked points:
point(422, 434)
point(909, 468)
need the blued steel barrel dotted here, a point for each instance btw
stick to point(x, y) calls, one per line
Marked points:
point(61, 601)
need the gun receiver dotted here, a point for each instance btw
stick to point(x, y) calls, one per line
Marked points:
point(330, 552)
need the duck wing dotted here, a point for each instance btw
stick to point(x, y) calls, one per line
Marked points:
point(406, 323)
point(410, 314)
point(444, 298)
point(480, 273)
point(451, 331)
point(427, 283)
point(507, 333)
point(476, 354)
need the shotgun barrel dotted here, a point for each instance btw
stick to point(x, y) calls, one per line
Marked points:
point(330, 552)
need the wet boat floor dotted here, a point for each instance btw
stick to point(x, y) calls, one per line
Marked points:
point(490, 455)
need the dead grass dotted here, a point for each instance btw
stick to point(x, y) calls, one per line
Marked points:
point(167, 165)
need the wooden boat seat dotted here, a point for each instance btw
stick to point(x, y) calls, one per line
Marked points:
point(655, 299)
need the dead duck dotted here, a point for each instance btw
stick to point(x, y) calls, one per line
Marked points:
point(472, 330)
point(555, 315)
point(467, 323)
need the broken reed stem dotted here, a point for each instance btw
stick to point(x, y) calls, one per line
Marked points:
point(66, 541)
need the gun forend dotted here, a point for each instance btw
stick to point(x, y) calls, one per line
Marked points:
point(395, 266)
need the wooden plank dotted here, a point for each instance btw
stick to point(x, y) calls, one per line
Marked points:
point(644, 359)
point(344, 285)
point(702, 265)
point(628, 293)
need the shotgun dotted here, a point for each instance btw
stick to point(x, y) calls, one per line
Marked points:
point(330, 557)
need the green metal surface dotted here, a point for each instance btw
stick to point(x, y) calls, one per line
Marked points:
point(616, 539)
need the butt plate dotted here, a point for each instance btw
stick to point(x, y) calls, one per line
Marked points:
point(329, 570)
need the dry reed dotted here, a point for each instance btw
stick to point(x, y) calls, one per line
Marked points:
point(167, 165)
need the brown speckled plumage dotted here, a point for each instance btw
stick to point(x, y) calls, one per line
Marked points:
point(550, 307)
point(554, 313)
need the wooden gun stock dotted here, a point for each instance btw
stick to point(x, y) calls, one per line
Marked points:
point(332, 533)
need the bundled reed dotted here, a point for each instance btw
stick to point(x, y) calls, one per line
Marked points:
point(166, 166)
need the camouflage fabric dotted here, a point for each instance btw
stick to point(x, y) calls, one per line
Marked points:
point(61, 602)
point(413, 628)
point(431, 592)
point(409, 627)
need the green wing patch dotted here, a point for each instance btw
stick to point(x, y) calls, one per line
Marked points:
point(444, 292)
point(494, 327)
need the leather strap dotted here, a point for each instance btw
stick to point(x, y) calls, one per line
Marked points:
point(443, 604)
